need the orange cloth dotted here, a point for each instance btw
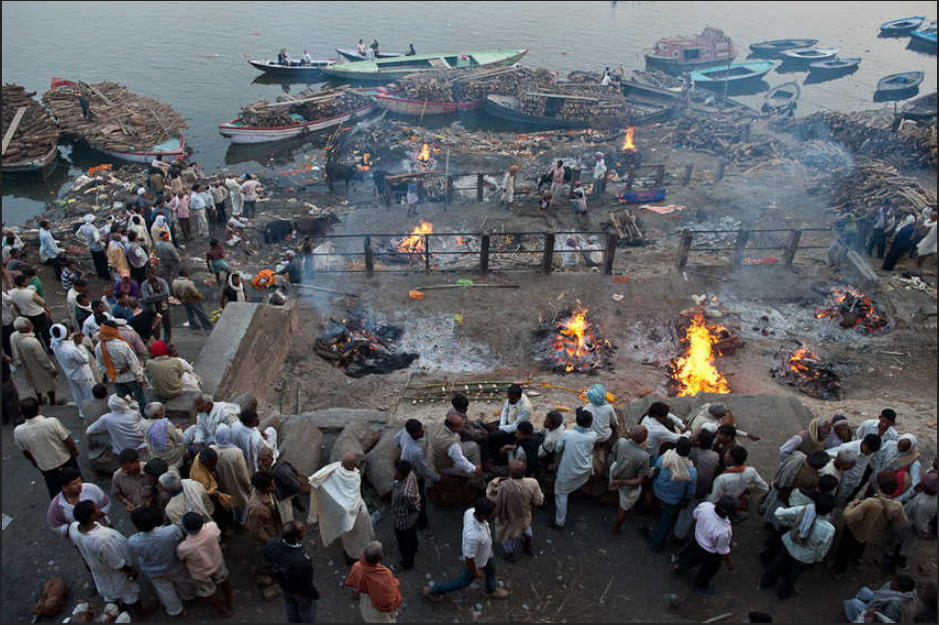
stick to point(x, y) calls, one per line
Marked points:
point(378, 582)
point(105, 334)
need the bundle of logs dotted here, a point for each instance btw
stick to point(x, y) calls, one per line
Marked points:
point(306, 106)
point(726, 137)
point(360, 345)
point(627, 228)
point(867, 185)
point(872, 133)
point(118, 119)
point(580, 103)
point(802, 369)
point(35, 134)
point(467, 85)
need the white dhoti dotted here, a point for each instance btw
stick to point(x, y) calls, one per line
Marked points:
point(81, 390)
point(358, 538)
point(371, 615)
point(336, 504)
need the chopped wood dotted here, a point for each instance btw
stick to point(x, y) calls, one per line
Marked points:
point(309, 106)
point(34, 135)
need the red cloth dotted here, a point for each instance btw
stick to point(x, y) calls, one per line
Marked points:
point(378, 582)
point(158, 348)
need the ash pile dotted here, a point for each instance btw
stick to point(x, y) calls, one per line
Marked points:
point(803, 369)
point(571, 343)
point(361, 344)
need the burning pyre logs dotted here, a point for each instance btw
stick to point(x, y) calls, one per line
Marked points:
point(361, 345)
point(803, 369)
point(852, 309)
point(573, 344)
point(694, 372)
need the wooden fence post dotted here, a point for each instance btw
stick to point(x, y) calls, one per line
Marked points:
point(740, 248)
point(719, 175)
point(450, 187)
point(659, 176)
point(547, 257)
point(686, 175)
point(687, 236)
point(484, 254)
point(426, 253)
point(609, 254)
point(369, 258)
point(630, 178)
point(480, 181)
point(795, 237)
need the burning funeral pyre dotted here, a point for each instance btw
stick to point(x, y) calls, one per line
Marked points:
point(573, 345)
point(694, 372)
point(804, 370)
point(630, 158)
point(444, 249)
point(361, 345)
point(852, 309)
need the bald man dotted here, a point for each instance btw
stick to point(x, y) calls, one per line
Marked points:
point(336, 504)
point(630, 468)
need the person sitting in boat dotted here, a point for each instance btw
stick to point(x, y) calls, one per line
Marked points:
point(283, 58)
point(410, 51)
point(374, 46)
point(362, 48)
point(306, 59)
point(370, 53)
point(607, 78)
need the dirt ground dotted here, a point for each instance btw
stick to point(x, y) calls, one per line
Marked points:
point(581, 574)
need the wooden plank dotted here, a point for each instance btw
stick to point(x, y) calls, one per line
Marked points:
point(547, 260)
point(484, 254)
point(95, 91)
point(8, 136)
point(687, 236)
point(328, 96)
point(609, 254)
point(369, 258)
point(563, 96)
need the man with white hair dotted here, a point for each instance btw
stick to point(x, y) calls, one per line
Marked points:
point(74, 362)
point(164, 440)
point(123, 425)
point(375, 587)
point(336, 503)
point(185, 496)
point(842, 464)
point(96, 244)
point(599, 177)
point(210, 414)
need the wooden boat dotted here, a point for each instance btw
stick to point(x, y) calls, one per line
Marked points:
point(900, 82)
point(925, 36)
point(712, 103)
point(30, 136)
point(901, 26)
point(168, 151)
point(781, 99)
point(386, 70)
point(677, 55)
point(776, 46)
point(735, 73)
point(921, 108)
point(349, 54)
point(836, 64)
point(390, 101)
point(240, 132)
point(507, 107)
point(809, 54)
point(275, 69)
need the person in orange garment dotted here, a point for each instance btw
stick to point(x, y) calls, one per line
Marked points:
point(376, 588)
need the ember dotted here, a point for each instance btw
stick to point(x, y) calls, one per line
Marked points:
point(852, 309)
point(366, 159)
point(694, 372)
point(413, 245)
point(628, 145)
point(424, 155)
point(361, 345)
point(573, 345)
point(803, 369)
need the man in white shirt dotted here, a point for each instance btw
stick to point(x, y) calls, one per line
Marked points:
point(49, 251)
point(663, 427)
point(477, 555)
point(599, 175)
point(883, 426)
point(210, 414)
point(123, 424)
point(737, 480)
point(96, 243)
point(576, 466)
point(712, 539)
point(517, 408)
point(805, 544)
point(864, 450)
point(74, 362)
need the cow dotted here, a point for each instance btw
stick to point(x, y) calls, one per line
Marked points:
point(277, 230)
point(338, 172)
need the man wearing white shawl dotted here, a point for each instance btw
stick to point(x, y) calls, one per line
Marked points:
point(336, 504)
point(74, 362)
point(209, 414)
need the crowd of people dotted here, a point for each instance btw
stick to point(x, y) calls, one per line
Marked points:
point(889, 233)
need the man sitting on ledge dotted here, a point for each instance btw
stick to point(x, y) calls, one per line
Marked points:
point(453, 457)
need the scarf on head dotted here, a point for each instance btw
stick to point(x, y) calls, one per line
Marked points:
point(812, 433)
point(239, 290)
point(58, 333)
point(833, 439)
point(596, 395)
point(105, 334)
point(803, 527)
point(677, 465)
point(158, 433)
point(223, 436)
point(894, 459)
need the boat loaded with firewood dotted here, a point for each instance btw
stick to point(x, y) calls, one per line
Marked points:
point(30, 138)
point(680, 54)
point(119, 122)
point(735, 73)
point(292, 116)
point(777, 46)
point(387, 70)
point(274, 68)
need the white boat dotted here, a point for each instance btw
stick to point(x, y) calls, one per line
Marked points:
point(167, 151)
point(809, 54)
point(237, 132)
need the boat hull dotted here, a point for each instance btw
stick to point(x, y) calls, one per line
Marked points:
point(809, 55)
point(36, 165)
point(498, 109)
point(925, 39)
point(900, 82)
point(675, 68)
point(902, 26)
point(718, 77)
point(404, 106)
point(270, 68)
point(258, 134)
point(778, 46)
point(148, 155)
point(920, 108)
point(389, 74)
point(834, 66)
point(353, 55)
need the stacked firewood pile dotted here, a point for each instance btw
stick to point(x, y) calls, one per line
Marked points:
point(866, 186)
point(308, 106)
point(820, 155)
point(36, 133)
point(726, 137)
point(870, 133)
point(586, 102)
point(627, 227)
point(119, 119)
point(471, 84)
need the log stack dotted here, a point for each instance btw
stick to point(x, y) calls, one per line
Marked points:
point(309, 106)
point(119, 119)
point(864, 187)
point(725, 137)
point(467, 85)
point(35, 135)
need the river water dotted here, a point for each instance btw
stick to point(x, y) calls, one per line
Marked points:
point(192, 55)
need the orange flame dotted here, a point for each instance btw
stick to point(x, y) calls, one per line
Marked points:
point(414, 244)
point(424, 155)
point(796, 361)
point(628, 144)
point(574, 328)
point(695, 371)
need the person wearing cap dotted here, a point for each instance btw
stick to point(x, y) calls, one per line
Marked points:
point(508, 188)
point(841, 432)
point(712, 541)
point(711, 416)
point(599, 177)
point(164, 373)
point(882, 426)
point(96, 244)
point(74, 362)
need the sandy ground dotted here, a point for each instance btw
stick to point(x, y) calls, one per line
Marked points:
point(581, 575)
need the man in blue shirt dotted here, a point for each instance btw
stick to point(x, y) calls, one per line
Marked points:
point(674, 481)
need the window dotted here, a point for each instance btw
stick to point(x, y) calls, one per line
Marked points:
point(692, 54)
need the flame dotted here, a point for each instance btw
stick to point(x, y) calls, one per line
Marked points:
point(424, 155)
point(628, 144)
point(575, 345)
point(414, 244)
point(853, 309)
point(796, 361)
point(694, 372)
point(365, 160)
